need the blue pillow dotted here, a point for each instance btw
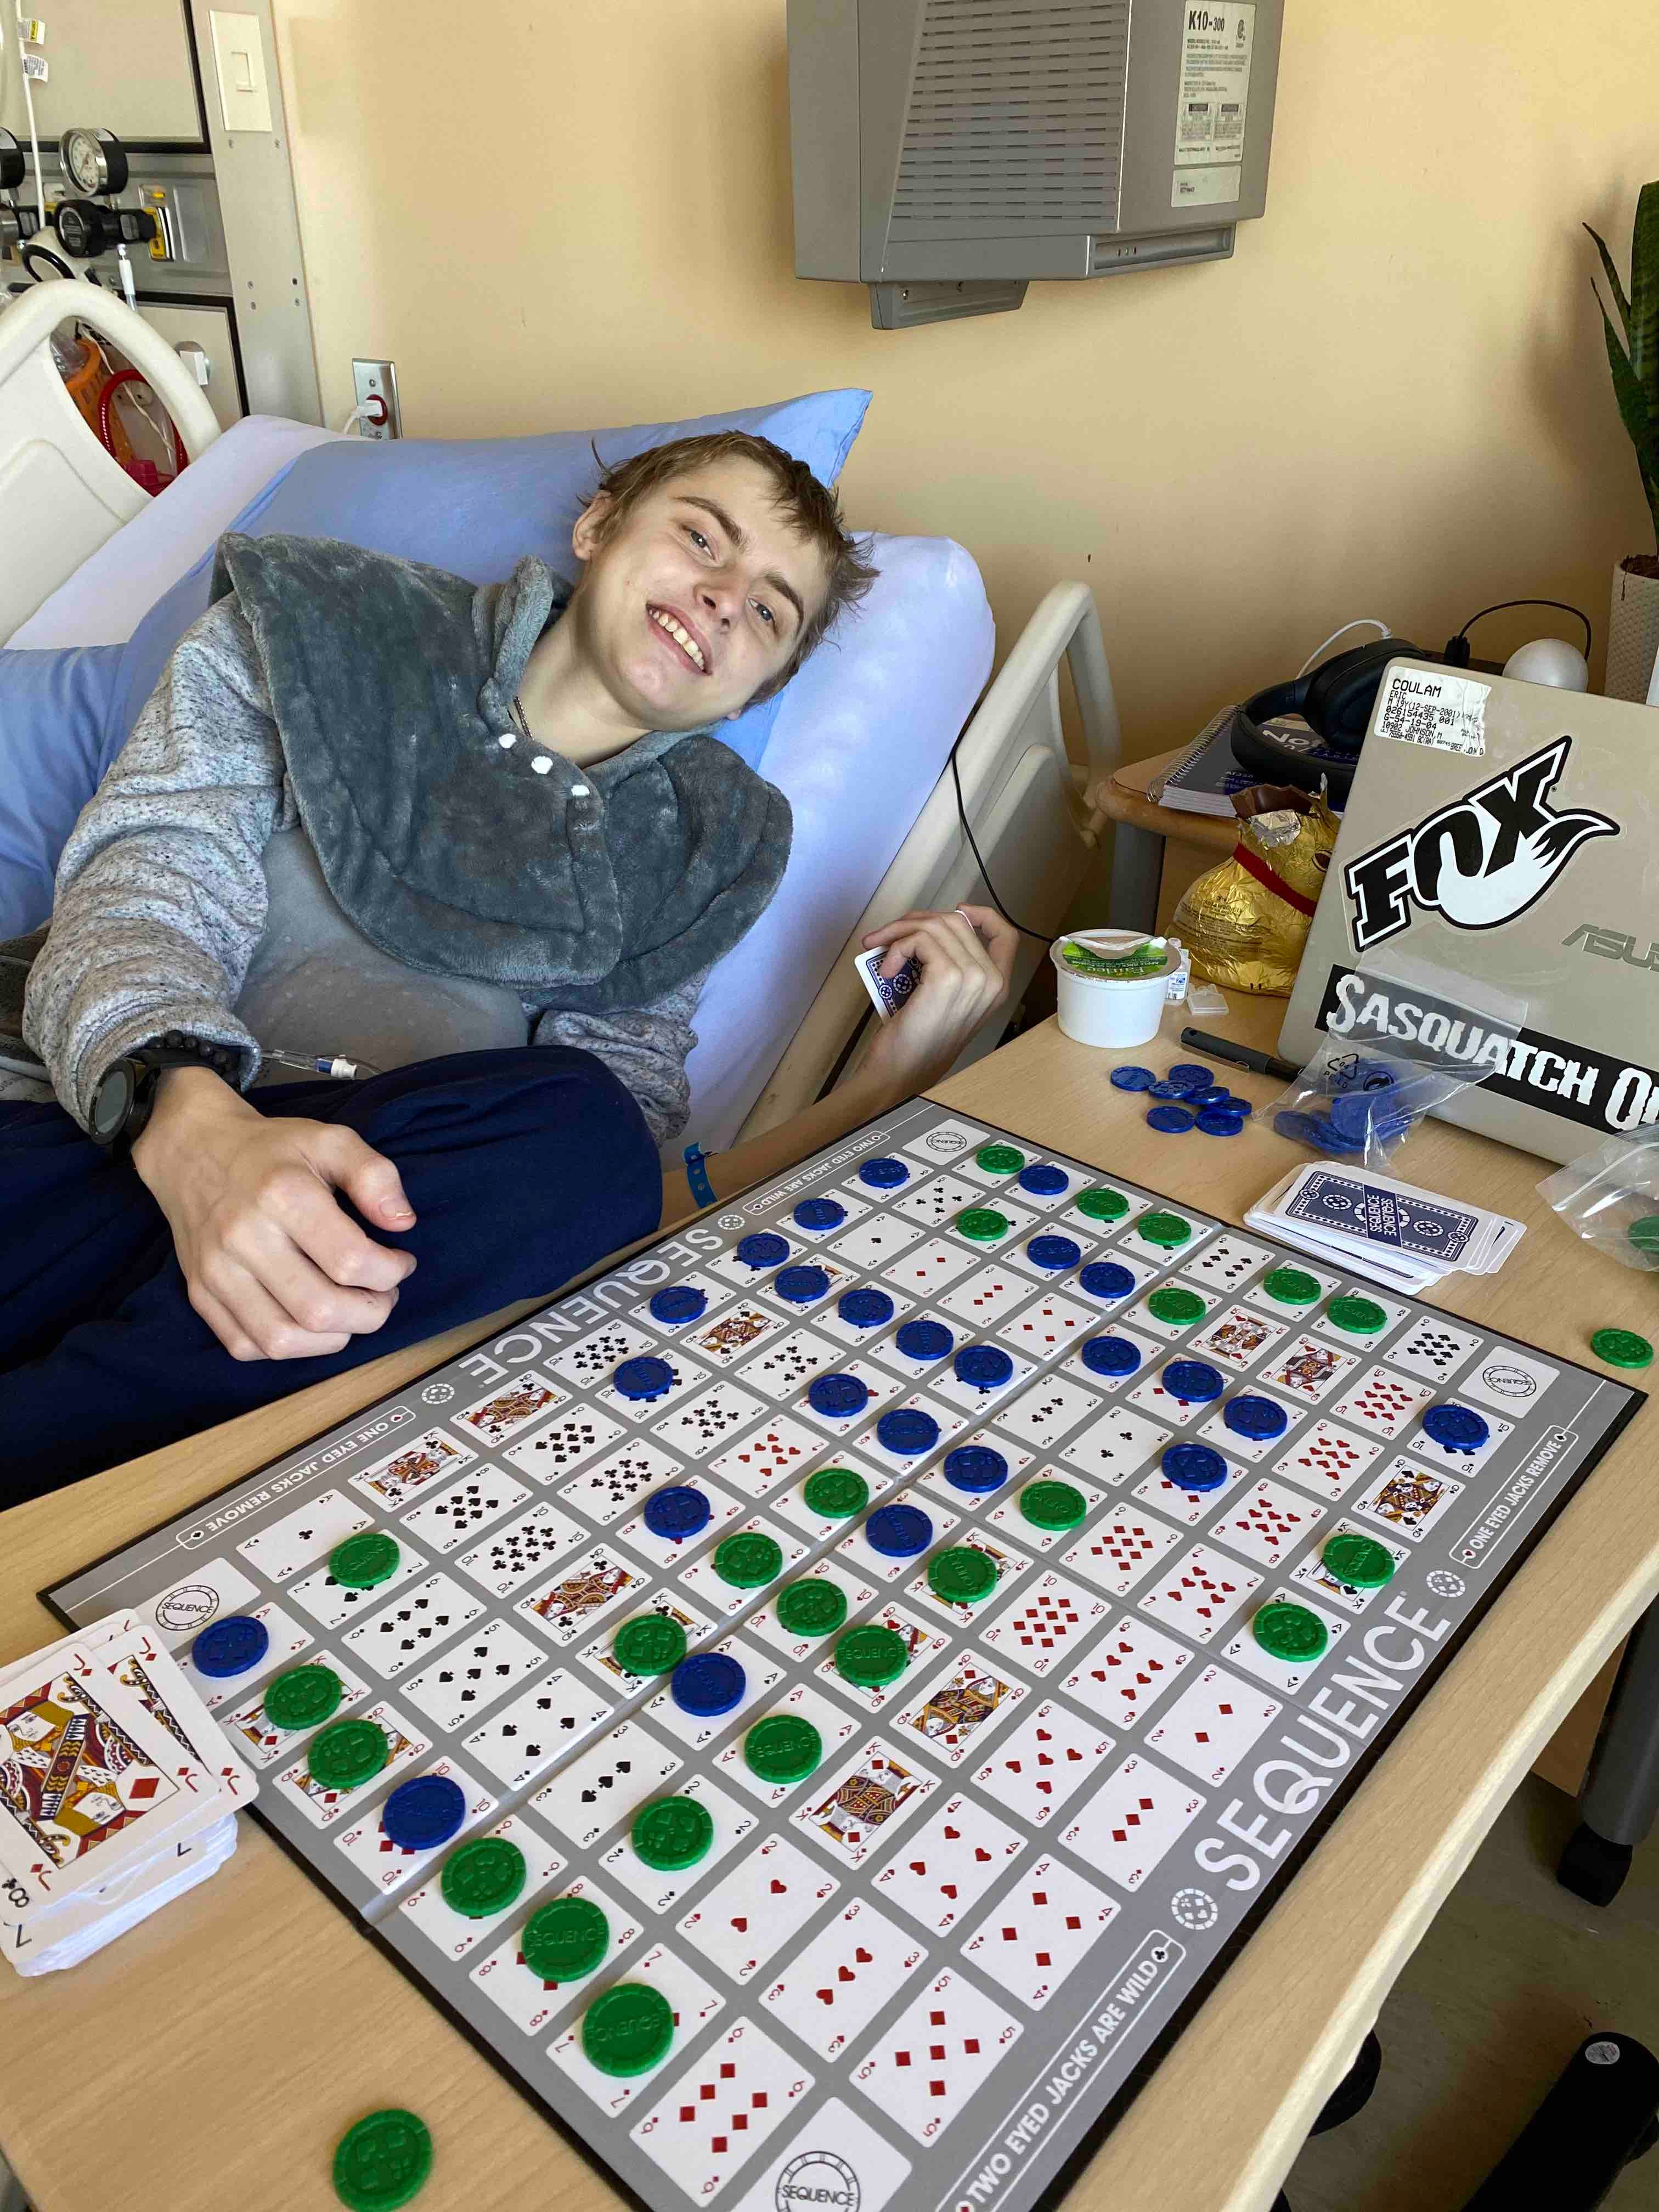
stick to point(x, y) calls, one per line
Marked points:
point(472, 506)
point(56, 738)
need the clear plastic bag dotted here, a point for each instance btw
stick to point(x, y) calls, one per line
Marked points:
point(1610, 1198)
point(1400, 1043)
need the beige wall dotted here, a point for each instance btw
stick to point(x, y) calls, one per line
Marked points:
point(1393, 400)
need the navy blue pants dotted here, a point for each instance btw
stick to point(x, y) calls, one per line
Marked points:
point(523, 1168)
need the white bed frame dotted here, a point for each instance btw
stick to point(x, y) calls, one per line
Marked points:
point(62, 497)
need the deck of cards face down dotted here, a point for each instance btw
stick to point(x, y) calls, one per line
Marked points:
point(1048, 1559)
point(119, 1792)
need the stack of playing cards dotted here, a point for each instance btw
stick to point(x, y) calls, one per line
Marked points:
point(1404, 1238)
point(118, 1791)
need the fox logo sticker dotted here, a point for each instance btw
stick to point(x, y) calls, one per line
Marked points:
point(1480, 861)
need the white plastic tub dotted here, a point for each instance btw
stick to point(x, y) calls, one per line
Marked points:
point(1110, 1009)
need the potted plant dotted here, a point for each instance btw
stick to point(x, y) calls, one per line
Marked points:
point(1633, 618)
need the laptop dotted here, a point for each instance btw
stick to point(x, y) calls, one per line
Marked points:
point(1507, 835)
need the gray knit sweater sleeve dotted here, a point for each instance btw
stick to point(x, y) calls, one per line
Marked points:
point(645, 1048)
point(159, 897)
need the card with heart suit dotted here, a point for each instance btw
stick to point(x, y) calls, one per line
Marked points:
point(1213, 1722)
point(1384, 1402)
point(950, 1863)
point(828, 1993)
point(1125, 1672)
point(777, 1452)
point(767, 1898)
point(1039, 1931)
point(1138, 1815)
point(1045, 1760)
point(722, 2109)
point(1267, 1522)
point(1200, 1591)
point(1327, 1459)
point(939, 2052)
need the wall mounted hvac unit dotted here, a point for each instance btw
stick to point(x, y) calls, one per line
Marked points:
point(947, 152)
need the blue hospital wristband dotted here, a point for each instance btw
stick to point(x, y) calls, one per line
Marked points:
point(696, 1174)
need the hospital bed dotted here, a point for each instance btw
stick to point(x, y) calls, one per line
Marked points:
point(861, 744)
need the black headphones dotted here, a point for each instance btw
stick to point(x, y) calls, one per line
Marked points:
point(1335, 700)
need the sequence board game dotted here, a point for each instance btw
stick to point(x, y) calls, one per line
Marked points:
point(1183, 1531)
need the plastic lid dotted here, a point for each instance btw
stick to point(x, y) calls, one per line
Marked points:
point(1457, 1428)
point(836, 1493)
point(782, 1748)
point(982, 1223)
point(907, 1430)
point(1178, 1307)
point(707, 1684)
point(1101, 1204)
point(872, 1656)
point(1621, 1347)
point(1195, 1382)
point(961, 1575)
point(483, 1877)
point(565, 1939)
point(923, 1339)
point(364, 1559)
point(1247, 1415)
point(676, 1511)
point(1000, 1159)
point(1110, 1355)
point(837, 1396)
point(898, 1532)
point(761, 1248)
point(1053, 1252)
point(423, 1811)
point(1359, 1561)
point(346, 1754)
point(1289, 1631)
point(976, 1468)
point(1194, 1466)
point(303, 1698)
point(651, 1643)
point(230, 1646)
point(1164, 1229)
point(811, 1606)
point(819, 1213)
point(985, 1365)
point(864, 1309)
point(1291, 1286)
point(382, 2161)
point(644, 1378)
point(1170, 1121)
point(798, 1287)
point(679, 1302)
point(884, 1174)
point(1053, 1505)
point(749, 1558)
point(1043, 1179)
point(627, 2029)
point(1359, 1317)
point(672, 1833)
point(1106, 1278)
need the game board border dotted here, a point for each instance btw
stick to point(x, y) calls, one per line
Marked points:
point(1053, 2192)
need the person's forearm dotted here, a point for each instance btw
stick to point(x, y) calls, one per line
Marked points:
point(189, 1101)
point(859, 1099)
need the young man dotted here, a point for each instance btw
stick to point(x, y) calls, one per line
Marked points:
point(483, 842)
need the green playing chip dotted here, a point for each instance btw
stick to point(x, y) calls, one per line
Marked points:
point(1053, 1505)
point(1165, 1229)
point(1176, 1306)
point(983, 1224)
point(1359, 1561)
point(872, 1656)
point(649, 1645)
point(1644, 1234)
point(783, 1748)
point(1000, 1159)
point(362, 1560)
point(1291, 1286)
point(813, 1607)
point(672, 1833)
point(961, 1575)
point(627, 2028)
point(483, 1877)
point(1101, 1204)
point(383, 2162)
point(303, 1698)
point(1290, 1631)
point(836, 1493)
point(566, 1939)
point(1359, 1317)
point(1621, 1347)
point(749, 1558)
point(346, 1755)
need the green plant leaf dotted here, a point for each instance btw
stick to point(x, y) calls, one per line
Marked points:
point(1612, 275)
point(1638, 420)
point(1644, 329)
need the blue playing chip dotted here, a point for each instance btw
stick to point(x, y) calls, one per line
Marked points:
point(1257, 1417)
point(230, 1646)
point(678, 1303)
point(678, 1511)
point(761, 1248)
point(819, 1213)
point(1168, 1089)
point(1455, 1428)
point(1194, 1380)
point(924, 1340)
point(1053, 1252)
point(1106, 1278)
point(423, 1813)
point(864, 1309)
point(908, 1431)
point(1110, 1355)
point(836, 1396)
point(1172, 1121)
point(1194, 1466)
point(1133, 1079)
point(1192, 1071)
point(984, 1365)
point(1216, 1121)
point(647, 1377)
point(1042, 1179)
point(898, 1532)
point(975, 1468)
point(884, 1174)
point(1206, 1094)
point(706, 1684)
point(800, 1285)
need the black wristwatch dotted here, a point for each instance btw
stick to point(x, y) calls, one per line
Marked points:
point(126, 1092)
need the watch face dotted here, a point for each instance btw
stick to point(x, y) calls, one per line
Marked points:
point(111, 1100)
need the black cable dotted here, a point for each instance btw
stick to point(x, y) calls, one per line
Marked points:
point(1462, 639)
point(955, 777)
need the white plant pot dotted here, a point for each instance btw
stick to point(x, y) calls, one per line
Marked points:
point(1110, 1009)
point(1632, 635)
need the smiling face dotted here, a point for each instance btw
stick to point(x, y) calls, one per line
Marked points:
point(697, 597)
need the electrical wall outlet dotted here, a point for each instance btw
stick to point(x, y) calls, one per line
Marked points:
point(373, 380)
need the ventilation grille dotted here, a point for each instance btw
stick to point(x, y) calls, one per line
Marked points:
point(1015, 119)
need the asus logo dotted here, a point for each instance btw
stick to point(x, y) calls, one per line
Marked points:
point(1608, 945)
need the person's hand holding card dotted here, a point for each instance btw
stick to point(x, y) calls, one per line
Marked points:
point(962, 963)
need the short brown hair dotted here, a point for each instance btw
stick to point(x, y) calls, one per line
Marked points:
point(810, 509)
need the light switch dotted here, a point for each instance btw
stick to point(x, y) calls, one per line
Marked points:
point(240, 63)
